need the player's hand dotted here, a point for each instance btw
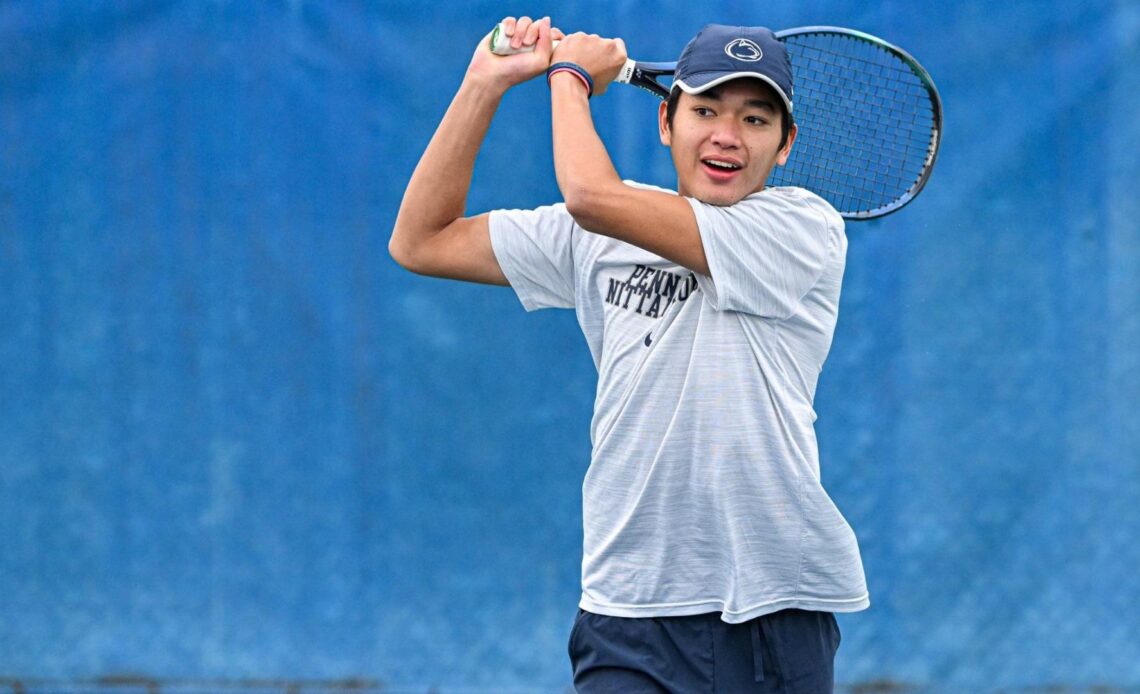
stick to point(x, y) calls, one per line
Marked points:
point(506, 71)
point(602, 58)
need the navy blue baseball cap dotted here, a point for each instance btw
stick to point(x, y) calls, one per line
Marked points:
point(719, 53)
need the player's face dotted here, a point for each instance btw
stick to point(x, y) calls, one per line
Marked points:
point(725, 141)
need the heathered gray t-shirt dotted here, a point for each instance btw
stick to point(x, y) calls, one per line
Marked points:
point(703, 492)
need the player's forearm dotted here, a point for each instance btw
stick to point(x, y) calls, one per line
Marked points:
point(598, 199)
point(437, 192)
point(586, 175)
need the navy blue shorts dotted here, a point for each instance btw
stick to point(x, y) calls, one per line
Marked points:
point(787, 652)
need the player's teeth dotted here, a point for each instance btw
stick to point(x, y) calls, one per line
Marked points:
point(721, 164)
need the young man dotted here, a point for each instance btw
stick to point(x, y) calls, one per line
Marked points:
point(713, 558)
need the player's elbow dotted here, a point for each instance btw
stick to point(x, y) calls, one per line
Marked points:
point(404, 253)
point(586, 206)
point(396, 250)
point(576, 196)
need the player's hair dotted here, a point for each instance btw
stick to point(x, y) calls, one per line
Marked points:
point(785, 117)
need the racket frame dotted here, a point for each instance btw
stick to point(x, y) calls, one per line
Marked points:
point(935, 140)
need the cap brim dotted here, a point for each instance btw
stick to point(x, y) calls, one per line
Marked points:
point(718, 78)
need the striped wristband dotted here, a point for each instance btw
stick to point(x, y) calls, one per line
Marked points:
point(575, 69)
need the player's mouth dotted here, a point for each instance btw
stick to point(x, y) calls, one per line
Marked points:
point(720, 169)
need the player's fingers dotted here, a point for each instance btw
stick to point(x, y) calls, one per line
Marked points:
point(531, 36)
point(620, 53)
point(508, 25)
point(568, 41)
point(521, 27)
point(556, 34)
point(577, 37)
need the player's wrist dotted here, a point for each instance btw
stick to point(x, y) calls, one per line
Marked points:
point(487, 83)
point(567, 72)
point(481, 93)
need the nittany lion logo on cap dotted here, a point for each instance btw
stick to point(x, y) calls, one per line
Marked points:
point(743, 49)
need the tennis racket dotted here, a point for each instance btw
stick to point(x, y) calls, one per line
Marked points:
point(869, 117)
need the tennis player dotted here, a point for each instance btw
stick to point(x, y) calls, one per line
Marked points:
point(713, 558)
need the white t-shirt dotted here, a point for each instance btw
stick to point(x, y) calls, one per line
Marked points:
point(703, 492)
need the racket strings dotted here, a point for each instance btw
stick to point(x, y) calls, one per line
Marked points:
point(865, 123)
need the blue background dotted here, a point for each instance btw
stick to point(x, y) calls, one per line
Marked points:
point(238, 443)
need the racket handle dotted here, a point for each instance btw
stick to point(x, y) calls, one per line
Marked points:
point(501, 45)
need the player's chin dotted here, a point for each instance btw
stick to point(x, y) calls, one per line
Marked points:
point(721, 196)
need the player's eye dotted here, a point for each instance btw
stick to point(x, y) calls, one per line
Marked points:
point(702, 111)
point(756, 120)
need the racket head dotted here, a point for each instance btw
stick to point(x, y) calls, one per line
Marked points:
point(869, 121)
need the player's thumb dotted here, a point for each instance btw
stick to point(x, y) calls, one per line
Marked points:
point(545, 44)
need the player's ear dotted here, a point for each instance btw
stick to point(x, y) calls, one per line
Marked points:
point(663, 123)
point(787, 148)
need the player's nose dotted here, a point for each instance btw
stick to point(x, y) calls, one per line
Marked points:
point(726, 133)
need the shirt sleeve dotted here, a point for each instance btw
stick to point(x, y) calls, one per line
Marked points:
point(535, 249)
point(766, 252)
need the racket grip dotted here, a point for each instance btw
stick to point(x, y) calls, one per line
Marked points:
point(501, 45)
